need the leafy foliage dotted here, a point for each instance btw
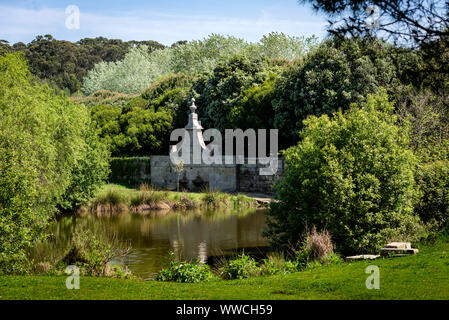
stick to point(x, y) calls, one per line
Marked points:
point(254, 108)
point(400, 20)
point(433, 180)
point(426, 113)
point(66, 63)
point(352, 175)
point(134, 129)
point(140, 69)
point(171, 93)
point(241, 267)
point(224, 89)
point(91, 254)
point(131, 75)
point(50, 155)
point(182, 271)
point(339, 72)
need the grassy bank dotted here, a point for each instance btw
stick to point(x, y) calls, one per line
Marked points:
point(118, 198)
point(422, 276)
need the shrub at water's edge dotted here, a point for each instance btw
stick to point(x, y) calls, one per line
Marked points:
point(242, 266)
point(342, 281)
point(90, 251)
point(353, 175)
point(93, 255)
point(50, 157)
point(116, 198)
point(182, 271)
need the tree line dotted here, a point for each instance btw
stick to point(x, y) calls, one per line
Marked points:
point(244, 91)
point(66, 63)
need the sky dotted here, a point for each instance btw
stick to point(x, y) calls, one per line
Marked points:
point(165, 21)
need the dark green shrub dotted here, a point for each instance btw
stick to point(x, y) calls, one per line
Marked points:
point(182, 271)
point(353, 175)
point(171, 93)
point(339, 72)
point(239, 268)
point(433, 181)
point(223, 90)
point(136, 129)
point(129, 171)
point(93, 255)
point(254, 110)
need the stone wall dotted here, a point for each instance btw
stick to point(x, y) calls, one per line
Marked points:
point(159, 172)
point(249, 179)
point(192, 177)
point(227, 177)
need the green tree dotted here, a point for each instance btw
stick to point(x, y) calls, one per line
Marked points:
point(67, 63)
point(131, 75)
point(49, 156)
point(338, 73)
point(399, 20)
point(134, 129)
point(171, 93)
point(254, 110)
point(145, 132)
point(107, 121)
point(352, 175)
point(277, 45)
point(140, 68)
point(222, 91)
point(433, 180)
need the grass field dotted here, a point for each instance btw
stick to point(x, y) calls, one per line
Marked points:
point(422, 276)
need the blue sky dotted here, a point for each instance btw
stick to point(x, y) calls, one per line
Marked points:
point(165, 21)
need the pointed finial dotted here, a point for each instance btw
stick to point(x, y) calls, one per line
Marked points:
point(193, 106)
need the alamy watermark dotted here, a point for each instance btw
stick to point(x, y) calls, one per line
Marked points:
point(193, 150)
point(373, 20)
point(373, 281)
point(73, 280)
point(72, 21)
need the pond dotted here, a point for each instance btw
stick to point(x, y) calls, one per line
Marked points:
point(205, 235)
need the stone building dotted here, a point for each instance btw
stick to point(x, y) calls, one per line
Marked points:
point(195, 175)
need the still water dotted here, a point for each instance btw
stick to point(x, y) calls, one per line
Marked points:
point(203, 235)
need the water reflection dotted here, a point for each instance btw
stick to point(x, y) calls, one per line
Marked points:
point(190, 235)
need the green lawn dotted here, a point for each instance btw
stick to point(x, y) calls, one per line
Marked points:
point(423, 276)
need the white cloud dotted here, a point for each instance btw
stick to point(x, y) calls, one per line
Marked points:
point(24, 24)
